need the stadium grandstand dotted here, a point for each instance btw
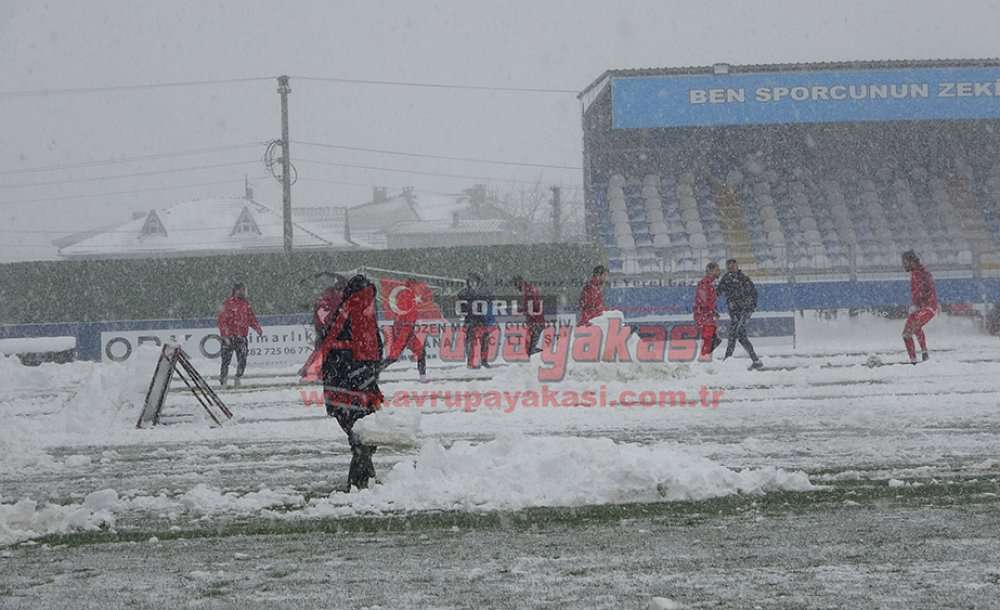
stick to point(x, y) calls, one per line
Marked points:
point(795, 170)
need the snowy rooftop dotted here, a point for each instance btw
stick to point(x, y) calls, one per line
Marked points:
point(417, 212)
point(487, 225)
point(209, 225)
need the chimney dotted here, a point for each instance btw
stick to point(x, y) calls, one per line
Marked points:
point(247, 189)
point(347, 225)
point(379, 194)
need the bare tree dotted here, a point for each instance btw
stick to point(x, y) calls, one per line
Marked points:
point(530, 209)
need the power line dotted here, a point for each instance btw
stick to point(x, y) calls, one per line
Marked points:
point(570, 189)
point(129, 192)
point(131, 87)
point(432, 156)
point(129, 159)
point(433, 85)
point(132, 175)
point(327, 79)
point(371, 184)
point(417, 172)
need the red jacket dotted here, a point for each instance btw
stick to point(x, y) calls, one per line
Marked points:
point(922, 288)
point(236, 318)
point(401, 329)
point(591, 301)
point(704, 302)
point(326, 304)
point(359, 310)
point(531, 304)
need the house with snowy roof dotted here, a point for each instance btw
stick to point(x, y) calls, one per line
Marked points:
point(412, 219)
point(206, 227)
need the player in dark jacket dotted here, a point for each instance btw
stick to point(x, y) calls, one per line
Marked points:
point(352, 355)
point(741, 299)
point(924, 307)
point(476, 301)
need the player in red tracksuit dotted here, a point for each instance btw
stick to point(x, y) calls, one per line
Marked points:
point(925, 305)
point(235, 320)
point(705, 314)
point(592, 296)
point(534, 312)
point(405, 333)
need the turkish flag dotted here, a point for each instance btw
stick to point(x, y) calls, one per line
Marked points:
point(408, 300)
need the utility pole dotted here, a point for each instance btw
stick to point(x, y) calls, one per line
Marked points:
point(286, 164)
point(556, 213)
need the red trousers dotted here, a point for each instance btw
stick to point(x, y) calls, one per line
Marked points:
point(707, 337)
point(477, 345)
point(409, 338)
point(914, 327)
point(413, 342)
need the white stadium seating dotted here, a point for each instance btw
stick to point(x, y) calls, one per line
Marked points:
point(800, 220)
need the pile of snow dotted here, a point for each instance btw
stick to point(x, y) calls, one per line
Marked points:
point(25, 519)
point(664, 603)
point(36, 345)
point(111, 396)
point(14, 375)
point(515, 471)
point(397, 427)
point(204, 500)
point(17, 452)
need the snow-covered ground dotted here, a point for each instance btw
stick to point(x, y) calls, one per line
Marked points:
point(819, 434)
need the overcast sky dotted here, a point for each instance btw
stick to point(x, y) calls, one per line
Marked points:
point(61, 44)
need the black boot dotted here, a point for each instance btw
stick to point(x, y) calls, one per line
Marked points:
point(362, 468)
point(356, 475)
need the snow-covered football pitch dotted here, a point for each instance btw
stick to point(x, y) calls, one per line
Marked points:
point(820, 482)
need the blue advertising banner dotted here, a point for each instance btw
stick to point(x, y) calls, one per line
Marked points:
point(820, 96)
point(287, 339)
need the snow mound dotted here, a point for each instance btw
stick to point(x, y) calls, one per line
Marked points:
point(13, 374)
point(25, 519)
point(111, 395)
point(515, 471)
point(206, 500)
point(664, 603)
point(397, 427)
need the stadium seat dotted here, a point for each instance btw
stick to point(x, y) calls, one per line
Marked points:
point(813, 214)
